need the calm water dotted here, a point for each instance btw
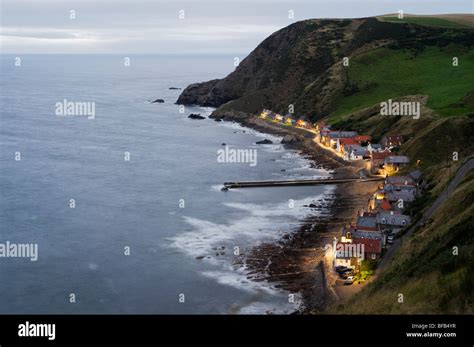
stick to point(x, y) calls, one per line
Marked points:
point(133, 203)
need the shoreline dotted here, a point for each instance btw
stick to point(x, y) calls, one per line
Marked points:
point(297, 262)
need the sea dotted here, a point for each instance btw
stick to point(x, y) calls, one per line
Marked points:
point(125, 206)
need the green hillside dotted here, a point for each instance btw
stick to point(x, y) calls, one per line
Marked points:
point(386, 73)
point(429, 21)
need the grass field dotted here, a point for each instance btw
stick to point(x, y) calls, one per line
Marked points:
point(388, 73)
point(429, 21)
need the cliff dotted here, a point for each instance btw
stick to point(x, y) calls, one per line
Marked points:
point(302, 65)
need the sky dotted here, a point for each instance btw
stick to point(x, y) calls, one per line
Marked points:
point(176, 26)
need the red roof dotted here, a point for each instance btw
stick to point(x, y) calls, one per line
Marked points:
point(362, 227)
point(369, 214)
point(370, 245)
point(347, 141)
point(362, 138)
point(386, 205)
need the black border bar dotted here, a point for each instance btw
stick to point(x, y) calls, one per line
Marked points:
point(224, 329)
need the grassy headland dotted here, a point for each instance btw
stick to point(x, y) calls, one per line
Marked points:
point(386, 73)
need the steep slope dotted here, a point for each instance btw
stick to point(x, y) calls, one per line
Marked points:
point(302, 64)
point(431, 278)
point(432, 270)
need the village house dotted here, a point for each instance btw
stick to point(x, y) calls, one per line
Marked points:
point(391, 221)
point(405, 180)
point(342, 143)
point(289, 120)
point(322, 135)
point(343, 259)
point(363, 232)
point(352, 251)
point(278, 117)
point(391, 141)
point(384, 205)
point(357, 153)
point(304, 123)
point(265, 114)
point(416, 176)
point(367, 221)
point(372, 235)
point(393, 163)
point(400, 184)
point(361, 139)
point(321, 129)
point(379, 202)
point(374, 147)
point(372, 248)
point(397, 197)
point(329, 139)
point(321, 125)
point(377, 161)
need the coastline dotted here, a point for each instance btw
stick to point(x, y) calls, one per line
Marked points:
point(297, 262)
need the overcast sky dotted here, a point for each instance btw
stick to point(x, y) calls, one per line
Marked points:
point(154, 26)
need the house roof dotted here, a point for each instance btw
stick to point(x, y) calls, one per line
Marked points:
point(369, 214)
point(370, 245)
point(339, 134)
point(347, 141)
point(363, 221)
point(362, 138)
point(391, 218)
point(346, 230)
point(375, 145)
point(359, 151)
point(367, 234)
point(400, 181)
point(406, 196)
point(381, 155)
point(364, 228)
point(385, 205)
point(415, 174)
point(397, 159)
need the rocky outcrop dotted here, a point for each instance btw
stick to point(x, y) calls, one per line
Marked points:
point(221, 114)
point(202, 94)
point(291, 140)
point(196, 116)
point(264, 142)
point(301, 65)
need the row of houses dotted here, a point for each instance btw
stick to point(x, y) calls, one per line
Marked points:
point(383, 220)
point(288, 119)
point(352, 146)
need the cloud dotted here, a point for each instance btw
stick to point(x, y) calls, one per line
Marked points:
point(154, 26)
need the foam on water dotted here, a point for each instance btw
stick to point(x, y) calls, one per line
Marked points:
point(258, 225)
